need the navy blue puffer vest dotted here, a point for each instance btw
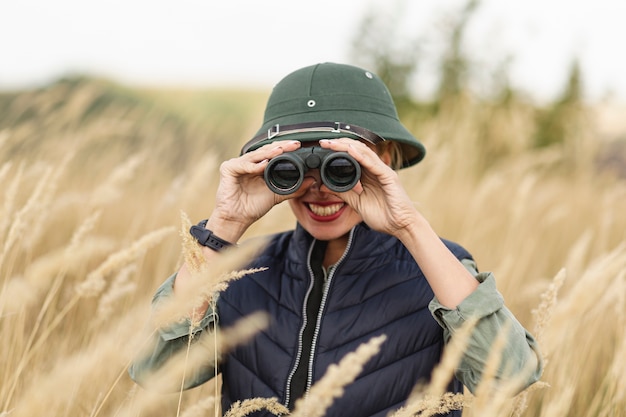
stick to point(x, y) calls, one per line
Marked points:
point(376, 288)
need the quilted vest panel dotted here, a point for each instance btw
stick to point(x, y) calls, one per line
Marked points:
point(376, 289)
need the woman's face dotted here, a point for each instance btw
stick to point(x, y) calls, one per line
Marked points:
point(324, 215)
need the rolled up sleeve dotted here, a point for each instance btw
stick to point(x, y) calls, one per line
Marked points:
point(169, 340)
point(521, 354)
point(181, 328)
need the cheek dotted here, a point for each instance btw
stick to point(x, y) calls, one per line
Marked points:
point(296, 206)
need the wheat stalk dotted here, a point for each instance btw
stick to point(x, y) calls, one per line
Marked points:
point(21, 218)
point(10, 193)
point(331, 386)
point(543, 316)
point(110, 189)
point(591, 286)
point(561, 405)
point(6, 215)
point(202, 353)
point(45, 200)
point(429, 405)
point(41, 274)
point(432, 398)
point(200, 408)
point(612, 392)
point(77, 370)
point(23, 292)
point(452, 354)
point(543, 313)
point(120, 287)
point(582, 331)
point(243, 408)
point(488, 381)
point(85, 227)
point(207, 282)
point(496, 397)
point(93, 285)
point(94, 282)
point(192, 253)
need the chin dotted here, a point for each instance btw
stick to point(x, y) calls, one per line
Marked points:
point(329, 231)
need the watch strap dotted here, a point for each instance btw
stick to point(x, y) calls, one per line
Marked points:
point(205, 237)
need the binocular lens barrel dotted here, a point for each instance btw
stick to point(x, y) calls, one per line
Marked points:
point(338, 170)
point(284, 177)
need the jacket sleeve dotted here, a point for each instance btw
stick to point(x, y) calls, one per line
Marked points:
point(168, 341)
point(521, 352)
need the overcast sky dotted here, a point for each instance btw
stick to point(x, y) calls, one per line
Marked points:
point(207, 43)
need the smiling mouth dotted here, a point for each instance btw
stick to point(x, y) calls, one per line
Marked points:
point(325, 210)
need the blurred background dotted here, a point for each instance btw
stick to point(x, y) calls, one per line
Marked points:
point(531, 44)
point(114, 117)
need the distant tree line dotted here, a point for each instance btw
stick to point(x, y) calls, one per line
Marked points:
point(376, 45)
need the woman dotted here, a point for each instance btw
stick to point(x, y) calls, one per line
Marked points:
point(361, 262)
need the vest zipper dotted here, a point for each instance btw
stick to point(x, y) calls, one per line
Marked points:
point(318, 324)
point(304, 323)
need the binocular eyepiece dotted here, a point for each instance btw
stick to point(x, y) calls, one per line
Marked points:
point(338, 170)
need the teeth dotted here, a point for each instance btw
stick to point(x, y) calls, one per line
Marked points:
point(325, 210)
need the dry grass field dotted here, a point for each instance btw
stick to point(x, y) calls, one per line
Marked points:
point(94, 178)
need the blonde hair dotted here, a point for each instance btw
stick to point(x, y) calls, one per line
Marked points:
point(395, 152)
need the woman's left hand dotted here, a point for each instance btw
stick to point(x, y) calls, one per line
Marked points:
point(385, 206)
point(379, 197)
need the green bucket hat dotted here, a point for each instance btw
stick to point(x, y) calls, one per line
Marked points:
point(328, 101)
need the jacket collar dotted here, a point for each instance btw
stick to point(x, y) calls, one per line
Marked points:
point(366, 244)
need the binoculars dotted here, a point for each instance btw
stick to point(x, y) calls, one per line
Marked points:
point(339, 171)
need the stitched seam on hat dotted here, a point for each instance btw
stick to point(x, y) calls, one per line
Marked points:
point(311, 78)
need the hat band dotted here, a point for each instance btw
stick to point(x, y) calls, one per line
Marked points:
point(333, 127)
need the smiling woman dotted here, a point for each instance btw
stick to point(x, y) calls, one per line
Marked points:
point(98, 168)
point(362, 262)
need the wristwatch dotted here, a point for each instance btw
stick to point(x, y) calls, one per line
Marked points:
point(205, 237)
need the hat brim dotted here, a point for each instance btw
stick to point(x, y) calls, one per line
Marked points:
point(413, 151)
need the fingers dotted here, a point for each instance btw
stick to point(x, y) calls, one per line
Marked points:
point(271, 150)
point(361, 152)
point(254, 162)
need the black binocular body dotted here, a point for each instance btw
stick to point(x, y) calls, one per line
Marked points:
point(285, 173)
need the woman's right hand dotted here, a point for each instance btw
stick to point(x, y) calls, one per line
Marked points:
point(242, 198)
point(242, 195)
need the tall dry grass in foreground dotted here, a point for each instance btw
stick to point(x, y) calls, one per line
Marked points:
point(88, 226)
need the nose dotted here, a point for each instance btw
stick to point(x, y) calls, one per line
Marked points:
point(315, 174)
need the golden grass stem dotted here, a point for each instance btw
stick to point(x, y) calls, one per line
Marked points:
point(525, 214)
point(94, 283)
point(488, 384)
point(119, 376)
point(201, 407)
point(452, 354)
point(184, 375)
point(245, 407)
point(91, 286)
point(331, 386)
point(207, 282)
